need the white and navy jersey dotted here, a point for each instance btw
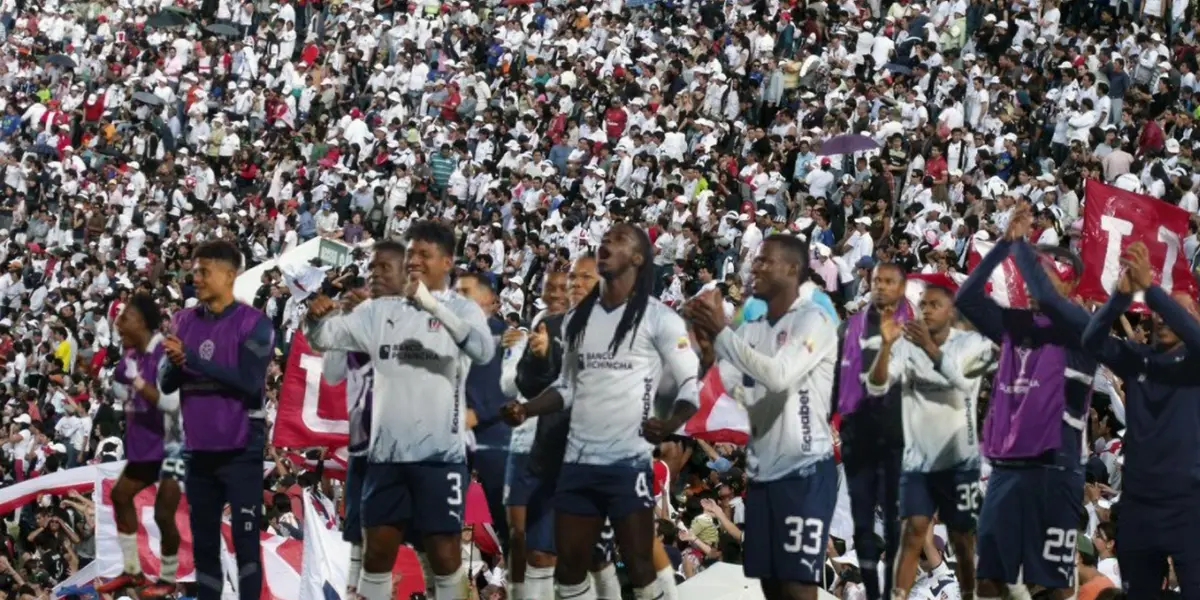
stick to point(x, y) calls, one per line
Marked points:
point(419, 409)
point(611, 394)
point(783, 372)
point(521, 441)
point(938, 584)
point(338, 366)
point(937, 412)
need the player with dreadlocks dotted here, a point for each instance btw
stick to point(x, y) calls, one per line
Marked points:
point(609, 382)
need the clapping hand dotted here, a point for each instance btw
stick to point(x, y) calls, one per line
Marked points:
point(711, 507)
point(511, 337)
point(1019, 223)
point(513, 413)
point(539, 341)
point(320, 306)
point(1137, 267)
point(917, 332)
point(173, 346)
point(707, 313)
point(656, 430)
point(889, 329)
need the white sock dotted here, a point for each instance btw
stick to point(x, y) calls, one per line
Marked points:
point(666, 582)
point(516, 590)
point(608, 587)
point(426, 571)
point(375, 586)
point(579, 591)
point(129, 552)
point(170, 565)
point(650, 592)
point(453, 586)
point(539, 583)
point(355, 570)
point(987, 598)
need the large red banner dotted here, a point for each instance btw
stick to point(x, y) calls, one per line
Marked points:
point(311, 412)
point(1112, 220)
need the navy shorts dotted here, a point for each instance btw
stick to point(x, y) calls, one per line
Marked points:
point(356, 471)
point(612, 491)
point(524, 488)
point(1028, 526)
point(952, 494)
point(430, 497)
point(787, 525)
point(1150, 532)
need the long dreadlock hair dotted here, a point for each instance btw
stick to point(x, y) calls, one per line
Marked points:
point(635, 307)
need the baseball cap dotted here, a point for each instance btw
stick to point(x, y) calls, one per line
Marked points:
point(1085, 546)
point(865, 262)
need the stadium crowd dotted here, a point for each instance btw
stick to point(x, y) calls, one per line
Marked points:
point(877, 133)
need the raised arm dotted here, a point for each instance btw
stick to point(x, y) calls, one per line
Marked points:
point(675, 349)
point(968, 363)
point(328, 331)
point(1175, 316)
point(1067, 316)
point(469, 329)
point(1098, 341)
point(810, 342)
point(508, 368)
point(889, 361)
point(973, 301)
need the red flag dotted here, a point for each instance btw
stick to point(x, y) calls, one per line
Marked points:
point(311, 412)
point(479, 518)
point(720, 419)
point(1112, 220)
point(1005, 286)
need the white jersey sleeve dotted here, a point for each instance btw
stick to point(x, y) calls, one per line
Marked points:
point(937, 412)
point(612, 393)
point(334, 366)
point(523, 434)
point(420, 369)
point(787, 374)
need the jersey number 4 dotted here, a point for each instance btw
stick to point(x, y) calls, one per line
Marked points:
point(804, 535)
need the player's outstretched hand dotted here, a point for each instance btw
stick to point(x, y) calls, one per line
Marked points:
point(539, 340)
point(1137, 264)
point(656, 430)
point(320, 306)
point(173, 346)
point(511, 337)
point(513, 413)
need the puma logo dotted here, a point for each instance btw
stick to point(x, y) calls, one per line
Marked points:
point(809, 563)
point(247, 511)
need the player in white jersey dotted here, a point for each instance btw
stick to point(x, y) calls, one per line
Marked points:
point(940, 466)
point(782, 366)
point(421, 343)
point(618, 341)
point(529, 491)
point(355, 369)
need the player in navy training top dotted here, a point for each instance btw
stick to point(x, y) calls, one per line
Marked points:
point(151, 446)
point(619, 342)
point(1161, 486)
point(219, 352)
point(1034, 432)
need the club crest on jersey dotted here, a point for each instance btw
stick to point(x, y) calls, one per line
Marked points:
point(207, 348)
point(434, 324)
point(781, 338)
point(683, 343)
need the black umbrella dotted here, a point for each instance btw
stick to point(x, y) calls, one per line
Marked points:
point(166, 19)
point(898, 68)
point(224, 30)
point(148, 98)
point(61, 60)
